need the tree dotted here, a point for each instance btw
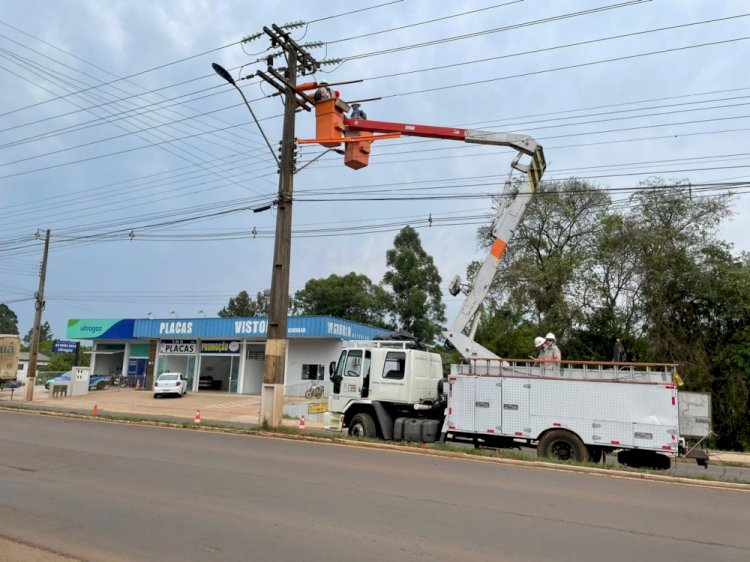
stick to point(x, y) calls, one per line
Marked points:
point(415, 283)
point(243, 305)
point(46, 339)
point(352, 297)
point(540, 277)
point(8, 320)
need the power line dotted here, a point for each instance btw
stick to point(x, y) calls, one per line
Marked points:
point(568, 67)
point(495, 30)
point(424, 22)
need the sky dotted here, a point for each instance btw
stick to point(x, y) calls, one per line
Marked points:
point(117, 136)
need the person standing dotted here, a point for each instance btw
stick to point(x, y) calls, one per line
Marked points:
point(539, 345)
point(618, 353)
point(550, 351)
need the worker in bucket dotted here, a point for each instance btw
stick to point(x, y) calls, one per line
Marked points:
point(323, 92)
point(357, 112)
point(550, 351)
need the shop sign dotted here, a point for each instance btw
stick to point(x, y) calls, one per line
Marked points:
point(229, 347)
point(177, 347)
point(64, 346)
point(317, 407)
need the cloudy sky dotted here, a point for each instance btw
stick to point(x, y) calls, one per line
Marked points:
point(116, 135)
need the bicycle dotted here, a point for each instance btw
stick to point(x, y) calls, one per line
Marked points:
point(315, 391)
point(120, 380)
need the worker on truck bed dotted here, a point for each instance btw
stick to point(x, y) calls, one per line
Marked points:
point(550, 352)
point(539, 345)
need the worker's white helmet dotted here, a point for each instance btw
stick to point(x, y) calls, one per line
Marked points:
point(538, 341)
point(323, 82)
point(550, 336)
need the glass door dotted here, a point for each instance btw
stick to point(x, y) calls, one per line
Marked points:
point(234, 371)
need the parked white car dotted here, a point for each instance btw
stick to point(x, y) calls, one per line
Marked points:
point(170, 383)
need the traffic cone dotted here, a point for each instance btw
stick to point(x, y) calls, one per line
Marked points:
point(302, 424)
point(197, 417)
point(95, 410)
point(138, 384)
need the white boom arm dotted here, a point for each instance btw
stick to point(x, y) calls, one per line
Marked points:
point(509, 213)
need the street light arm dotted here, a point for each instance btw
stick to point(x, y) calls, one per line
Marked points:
point(224, 73)
point(265, 138)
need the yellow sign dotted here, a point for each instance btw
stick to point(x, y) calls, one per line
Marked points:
point(317, 407)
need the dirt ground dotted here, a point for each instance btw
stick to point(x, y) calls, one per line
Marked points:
point(213, 406)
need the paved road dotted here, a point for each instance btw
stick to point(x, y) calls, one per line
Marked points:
point(99, 491)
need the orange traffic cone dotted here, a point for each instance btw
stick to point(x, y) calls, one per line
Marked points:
point(95, 410)
point(138, 385)
point(302, 424)
point(197, 417)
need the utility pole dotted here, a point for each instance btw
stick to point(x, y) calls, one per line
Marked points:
point(297, 60)
point(39, 305)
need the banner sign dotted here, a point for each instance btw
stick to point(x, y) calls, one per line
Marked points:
point(224, 347)
point(64, 346)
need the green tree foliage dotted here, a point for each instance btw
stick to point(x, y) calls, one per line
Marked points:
point(652, 273)
point(352, 297)
point(415, 284)
point(8, 320)
point(243, 305)
point(46, 339)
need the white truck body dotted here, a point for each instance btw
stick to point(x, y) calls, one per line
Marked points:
point(602, 413)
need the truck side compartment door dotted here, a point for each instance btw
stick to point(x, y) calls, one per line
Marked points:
point(488, 405)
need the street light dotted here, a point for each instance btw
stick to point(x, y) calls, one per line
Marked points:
point(203, 313)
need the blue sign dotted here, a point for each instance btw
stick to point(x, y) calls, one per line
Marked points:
point(253, 328)
point(64, 346)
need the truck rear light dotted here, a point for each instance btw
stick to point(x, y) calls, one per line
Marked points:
point(519, 433)
point(667, 447)
point(674, 401)
point(557, 425)
point(615, 442)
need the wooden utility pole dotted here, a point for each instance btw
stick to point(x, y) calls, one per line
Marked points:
point(298, 60)
point(39, 305)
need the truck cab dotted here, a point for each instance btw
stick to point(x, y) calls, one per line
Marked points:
point(376, 382)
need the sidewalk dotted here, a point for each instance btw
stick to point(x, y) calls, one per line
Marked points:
point(213, 406)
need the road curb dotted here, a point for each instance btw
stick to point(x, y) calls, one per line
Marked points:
point(412, 449)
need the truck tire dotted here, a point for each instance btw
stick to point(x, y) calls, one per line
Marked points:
point(562, 445)
point(362, 425)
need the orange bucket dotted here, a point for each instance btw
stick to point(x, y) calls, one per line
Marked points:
point(329, 122)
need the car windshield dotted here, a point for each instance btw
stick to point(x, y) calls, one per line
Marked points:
point(169, 377)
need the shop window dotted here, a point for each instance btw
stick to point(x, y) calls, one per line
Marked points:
point(313, 372)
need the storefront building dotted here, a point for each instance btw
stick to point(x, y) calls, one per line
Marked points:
point(217, 354)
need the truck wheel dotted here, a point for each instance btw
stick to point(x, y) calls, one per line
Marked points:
point(362, 425)
point(100, 385)
point(562, 445)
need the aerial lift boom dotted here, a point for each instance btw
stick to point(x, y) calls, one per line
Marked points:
point(333, 128)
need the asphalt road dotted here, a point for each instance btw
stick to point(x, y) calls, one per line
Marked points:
point(101, 491)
